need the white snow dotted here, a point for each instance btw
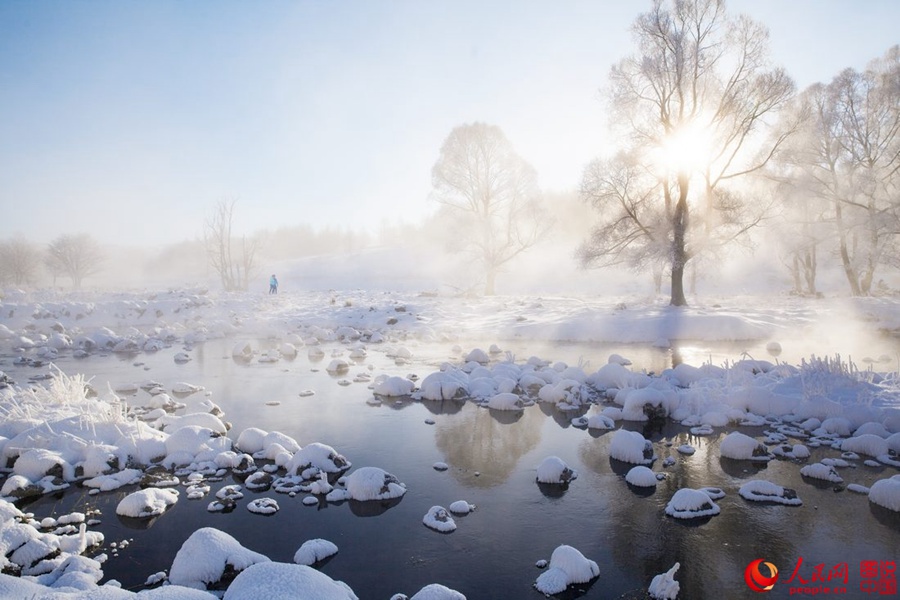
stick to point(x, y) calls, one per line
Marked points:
point(567, 566)
point(312, 551)
point(202, 559)
point(439, 519)
point(148, 502)
point(760, 490)
point(664, 586)
point(631, 447)
point(436, 591)
point(688, 503)
point(373, 483)
point(641, 476)
point(268, 580)
point(886, 493)
point(739, 446)
point(554, 470)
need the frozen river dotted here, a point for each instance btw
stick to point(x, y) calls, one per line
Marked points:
point(385, 549)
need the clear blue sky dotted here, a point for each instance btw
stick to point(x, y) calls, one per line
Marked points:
point(130, 119)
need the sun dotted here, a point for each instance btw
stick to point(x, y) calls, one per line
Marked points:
point(687, 149)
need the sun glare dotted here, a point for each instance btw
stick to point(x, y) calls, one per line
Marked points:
point(687, 149)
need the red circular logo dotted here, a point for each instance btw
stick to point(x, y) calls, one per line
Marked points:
point(756, 580)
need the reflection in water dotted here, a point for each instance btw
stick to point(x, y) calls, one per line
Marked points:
point(553, 490)
point(488, 441)
point(372, 508)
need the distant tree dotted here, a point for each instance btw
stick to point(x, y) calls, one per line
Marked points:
point(234, 261)
point(75, 256)
point(848, 159)
point(693, 102)
point(19, 261)
point(492, 195)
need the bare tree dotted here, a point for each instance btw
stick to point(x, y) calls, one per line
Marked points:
point(848, 155)
point(74, 255)
point(19, 261)
point(493, 194)
point(693, 103)
point(234, 261)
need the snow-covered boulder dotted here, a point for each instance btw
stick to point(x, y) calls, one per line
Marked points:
point(436, 591)
point(641, 476)
point(664, 586)
point(567, 566)
point(739, 446)
point(268, 580)
point(372, 483)
point(631, 447)
point(393, 386)
point(554, 470)
point(688, 503)
point(148, 502)
point(886, 493)
point(204, 556)
point(439, 519)
point(760, 490)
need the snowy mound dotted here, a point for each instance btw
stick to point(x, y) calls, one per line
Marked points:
point(760, 490)
point(439, 519)
point(393, 386)
point(372, 483)
point(554, 470)
point(886, 493)
point(687, 503)
point(436, 591)
point(312, 551)
point(867, 443)
point(631, 447)
point(321, 456)
point(739, 446)
point(461, 507)
point(567, 566)
point(204, 556)
point(147, 503)
point(268, 580)
point(641, 476)
point(505, 401)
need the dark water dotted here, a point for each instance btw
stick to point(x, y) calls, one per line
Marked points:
point(385, 549)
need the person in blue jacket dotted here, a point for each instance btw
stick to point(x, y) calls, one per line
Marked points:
point(273, 284)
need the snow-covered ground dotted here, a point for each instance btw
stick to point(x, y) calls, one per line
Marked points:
point(809, 374)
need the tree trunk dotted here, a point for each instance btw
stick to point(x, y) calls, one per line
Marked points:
point(849, 270)
point(795, 272)
point(679, 250)
point(490, 277)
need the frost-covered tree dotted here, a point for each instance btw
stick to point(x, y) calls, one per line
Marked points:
point(692, 104)
point(19, 261)
point(491, 196)
point(848, 158)
point(233, 260)
point(75, 256)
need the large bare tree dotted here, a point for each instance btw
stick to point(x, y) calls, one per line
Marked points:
point(493, 195)
point(692, 104)
point(233, 260)
point(74, 255)
point(19, 261)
